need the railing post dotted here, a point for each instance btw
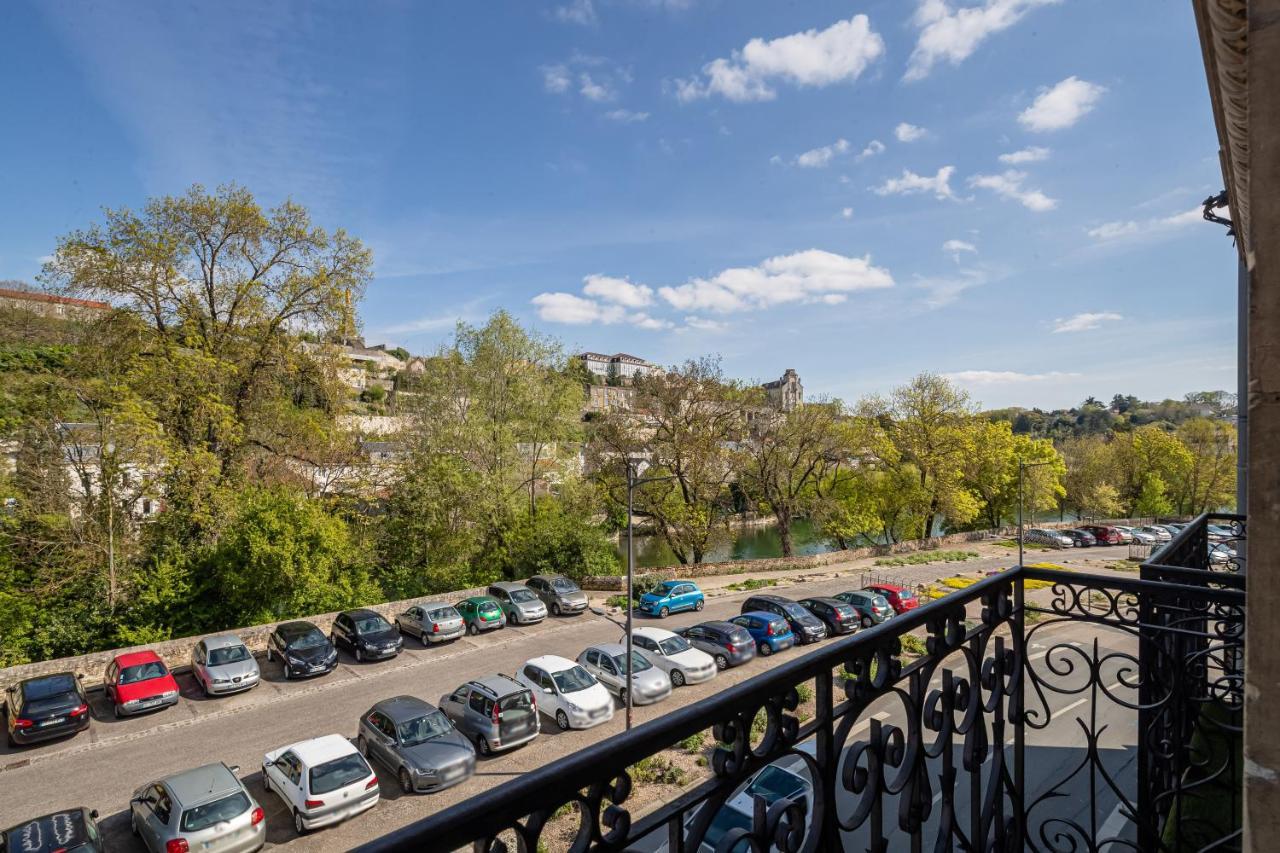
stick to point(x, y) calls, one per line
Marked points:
point(828, 759)
point(1017, 717)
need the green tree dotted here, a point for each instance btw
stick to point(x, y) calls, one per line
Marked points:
point(1091, 476)
point(1210, 480)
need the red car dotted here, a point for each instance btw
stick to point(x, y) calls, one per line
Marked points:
point(1105, 535)
point(139, 681)
point(900, 598)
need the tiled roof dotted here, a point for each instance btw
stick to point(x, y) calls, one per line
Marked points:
point(35, 296)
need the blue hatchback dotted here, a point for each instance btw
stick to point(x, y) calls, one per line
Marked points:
point(671, 597)
point(770, 631)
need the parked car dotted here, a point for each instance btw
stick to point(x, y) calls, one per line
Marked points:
point(1126, 533)
point(562, 596)
point(727, 643)
point(872, 608)
point(321, 781)
point(837, 615)
point(70, 830)
point(1174, 529)
point(672, 597)
point(495, 713)
point(417, 742)
point(1160, 533)
point(137, 682)
point(1080, 537)
point(1103, 534)
point(1220, 533)
point(900, 598)
point(518, 603)
point(770, 631)
point(1141, 537)
point(224, 664)
point(205, 808)
point(1221, 552)
point(566, 692)
point(45, 707)
point(672, 653)
point(607, 662)
point(771, 783)
point(432, 623)
point(1044, 536)
point(481, 613)
point(366, 635)
point(807, 627)
point(303, 649)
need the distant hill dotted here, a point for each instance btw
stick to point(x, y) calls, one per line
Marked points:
point(1124, 413)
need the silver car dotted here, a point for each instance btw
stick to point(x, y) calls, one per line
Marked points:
point(607, 661)
point(224, 664)
point(417, 743)
point(559, 593)
point(1052, 538)
point(518, 603)
point(207, 806)
point(432, 623)
point(494, 712)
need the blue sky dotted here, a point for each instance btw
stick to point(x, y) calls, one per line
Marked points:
point(997, 190)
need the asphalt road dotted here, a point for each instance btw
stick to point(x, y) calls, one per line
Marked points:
point(101, 768)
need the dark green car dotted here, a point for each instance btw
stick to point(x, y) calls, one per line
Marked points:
point(481, 613)
point(872, 608)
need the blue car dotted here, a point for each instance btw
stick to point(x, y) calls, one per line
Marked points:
point(671, 597)
point(770, 631)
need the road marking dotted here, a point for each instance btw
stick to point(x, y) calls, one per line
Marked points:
point(1112, 827)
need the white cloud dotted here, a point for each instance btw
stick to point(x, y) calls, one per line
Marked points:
point(593, 90)
point(626, 116)
point(1004, 377)
point(1062, 106)
point(806, 276)
point(574, 310)
point(703, 324)
point(954, 34)
point(816, 58)
point(873, 148)
point(619, 291)
point(908, 132)
point(1009, 185)
point(1109, 231)
point(1084, 322)
point(1033, 154)
point(556, 79)
point(847, 212)
point(911, 183)
point(644, 321)
point(943, 291)
point(816, 158)
point(958, 246)
point(577, 12)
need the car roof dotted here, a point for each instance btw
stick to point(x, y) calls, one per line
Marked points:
point(498, 684)
point(719, 625)
point(477, 598)
point(611, 649)
point(507, 585)
point(891, 587)
point(550, 577)
point(135, 658)
point(361, 613)
point(222, 641)
point(827, 600)
point(551, 663)
point(318, 750)
point(201, 784)
point(295, 629)
point(762, 614)
point(654, 633)
point(776, 599)
point(402, 708)
point(677, 583)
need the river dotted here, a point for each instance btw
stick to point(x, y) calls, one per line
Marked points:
point(738, 543)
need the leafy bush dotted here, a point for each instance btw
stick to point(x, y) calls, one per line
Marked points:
point(912, 645)
point(958, 582)
point(694, 742)
point(805, 692)
point(752, 583)
point(922, 557)
point(656, 770)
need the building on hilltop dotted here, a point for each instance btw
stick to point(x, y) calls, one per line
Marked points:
point(620, 368)
point(785, 393)
point(49, 305)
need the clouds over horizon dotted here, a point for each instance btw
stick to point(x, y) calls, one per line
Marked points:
point(1062, 105)
point(952, 35)
point(1084, 322)
point(910, 184)
point(1131, 228)
point(1005, 377)
point(809, 59)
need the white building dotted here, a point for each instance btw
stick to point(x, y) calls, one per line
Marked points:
point(620, 367)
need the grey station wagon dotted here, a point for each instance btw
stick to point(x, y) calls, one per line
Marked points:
point(518, 603)
point(417, 742)
point(561, 595)
point(495, 713)
point(207, 806)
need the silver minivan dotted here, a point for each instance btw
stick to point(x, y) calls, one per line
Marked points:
point(495, 713)
point(518, 603)
point(559, 593)
point(207, 806)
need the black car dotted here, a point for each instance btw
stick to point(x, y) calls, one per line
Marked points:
point(366, 634)
point(45, 707)
point(840, 617)
point(70, 831)
point(1081, 538)
point(807, 627)
point(727, 643)
point(302, 648)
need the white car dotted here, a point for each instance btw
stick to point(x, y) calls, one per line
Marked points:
point(673, 655)
point(566, 692)
point(1160, 533)
point(322, 781)
point(1052, 538)
point(1140, 537)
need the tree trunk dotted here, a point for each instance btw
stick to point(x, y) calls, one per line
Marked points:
point(784, 532)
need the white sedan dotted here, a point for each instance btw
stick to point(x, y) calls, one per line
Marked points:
point(566, 692)
point(322, 781)
point(673, 655)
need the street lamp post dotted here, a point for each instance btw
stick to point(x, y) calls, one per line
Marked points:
point(1022, 466)
point(635, 467)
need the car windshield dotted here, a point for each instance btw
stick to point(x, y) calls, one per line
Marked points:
point(638, 662)
point(228, 654)
point(338, 773)
point(564, 585)
point(60, 831)
point(424, 728)
point(372, 624)
point(673, 645)
point(205, 816)
point(313, 639)
point(443, 614)
point(520, 596)
point(48, 688)
point(142, 672)
point(573, 680)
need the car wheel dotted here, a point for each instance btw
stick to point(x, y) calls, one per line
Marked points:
point(287, 674)
point(363, 746)
point(8, 736)
point(482, 744)
point(298, 825)
point(266, 781)
point(677, 678)
point(622, 696)
point(406, 781)
point(555, 610)
point(359, 655)
point(204, 688)
point(664, 612)
point(133, 823)
point(699, 605)
point(866, 621)
point(268, 654)
point(562, 720)
point(423, 638)
point(115, 710)
point(765, 650)
point(473, 628)
point(722, 662)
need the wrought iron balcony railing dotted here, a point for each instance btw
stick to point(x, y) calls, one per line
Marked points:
point(1050, 710)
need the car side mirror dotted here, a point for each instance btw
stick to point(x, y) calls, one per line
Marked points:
point(547, 690)
point(268, 764)
point(93, 813)
point(234, 768)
